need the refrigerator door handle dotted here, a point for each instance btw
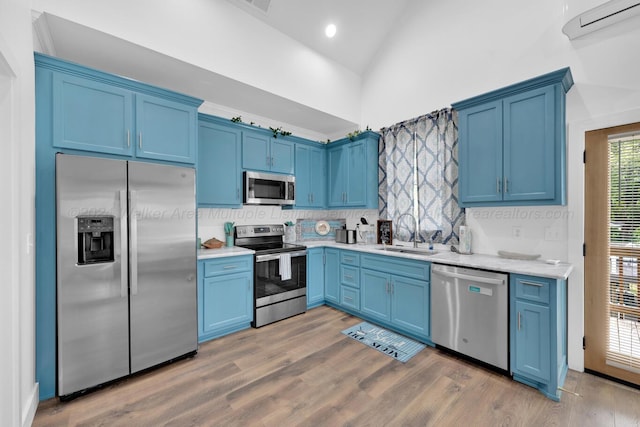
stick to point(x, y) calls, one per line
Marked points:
point(133, 246)
point(124, 273)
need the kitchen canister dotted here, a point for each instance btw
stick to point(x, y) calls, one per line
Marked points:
point(465, 240)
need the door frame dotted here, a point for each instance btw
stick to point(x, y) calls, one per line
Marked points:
point(596, 237)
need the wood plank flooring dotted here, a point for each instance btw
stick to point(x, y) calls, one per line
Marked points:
point(303, 372)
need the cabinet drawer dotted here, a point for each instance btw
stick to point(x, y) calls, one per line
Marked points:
point(394, 265)
point(351, 258)
point(350, 276)
point(350, 297)
point(227, 265)
point(531, 288)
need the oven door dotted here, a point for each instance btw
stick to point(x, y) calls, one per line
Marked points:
point(271, 287)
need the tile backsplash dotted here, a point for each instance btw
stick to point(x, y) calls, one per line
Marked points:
point(211, 221)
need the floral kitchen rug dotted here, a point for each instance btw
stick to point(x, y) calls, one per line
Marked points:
point(397, 346)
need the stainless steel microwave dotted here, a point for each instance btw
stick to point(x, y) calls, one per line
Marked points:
point(268, 189)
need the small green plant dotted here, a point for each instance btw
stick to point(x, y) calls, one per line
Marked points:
point(237, 119)
point(279, 130)
point(352, 135)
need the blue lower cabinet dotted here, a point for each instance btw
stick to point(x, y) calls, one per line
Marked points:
point(539, 332)
point(225, 296)
point(315, 277)
point(332, 275)
point(375, 295)
point(400, 301)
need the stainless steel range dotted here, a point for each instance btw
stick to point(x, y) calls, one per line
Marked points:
point(280, 273)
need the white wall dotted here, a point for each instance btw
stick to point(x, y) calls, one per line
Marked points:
point(220, 37)
point(18, 390)
point(449, 51)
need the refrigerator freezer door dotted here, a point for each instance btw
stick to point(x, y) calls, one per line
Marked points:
point(162, 257)
point(92, 300)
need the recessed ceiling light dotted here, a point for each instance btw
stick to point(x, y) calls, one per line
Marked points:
point(330, 31)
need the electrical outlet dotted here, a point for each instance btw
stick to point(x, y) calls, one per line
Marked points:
point(553, 234)
point(516, 232)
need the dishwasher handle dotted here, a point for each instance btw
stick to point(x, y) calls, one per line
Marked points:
point(477, 279)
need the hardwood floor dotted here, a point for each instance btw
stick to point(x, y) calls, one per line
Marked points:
point(303, 371)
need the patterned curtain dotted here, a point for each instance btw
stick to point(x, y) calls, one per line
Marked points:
point(437, 177)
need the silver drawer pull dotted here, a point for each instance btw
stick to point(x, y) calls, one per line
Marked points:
point(348, 276)
point(229, 267)
point(348, 299)
point(539, 285)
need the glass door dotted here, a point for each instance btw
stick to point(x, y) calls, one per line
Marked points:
point(612, 237)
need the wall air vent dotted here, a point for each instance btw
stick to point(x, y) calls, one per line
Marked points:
point(608, 13)
point(263, 5)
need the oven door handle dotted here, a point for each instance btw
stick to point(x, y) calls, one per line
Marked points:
point(271, 257)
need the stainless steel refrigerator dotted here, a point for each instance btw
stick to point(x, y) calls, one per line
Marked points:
point(126, 268)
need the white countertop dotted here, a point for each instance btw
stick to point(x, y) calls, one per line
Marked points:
point(224, 251)
point(445, 256)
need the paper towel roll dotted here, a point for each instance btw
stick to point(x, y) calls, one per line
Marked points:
point(465, 240)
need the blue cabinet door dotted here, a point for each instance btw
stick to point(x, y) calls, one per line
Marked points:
point(91, 116)
point(281, 156)
point(374, 294)
point(255, 151)
point(264, 153)
point(356, 184)
point(166, 130)
point(227, 301)
point(310, 176)
point(530, 145)
point(332, 275)
point(480, 153)
point(336, 168)
point(219, 175)
point(410, 305)
point(532, 341)
point(315, 277)
point(317, 177)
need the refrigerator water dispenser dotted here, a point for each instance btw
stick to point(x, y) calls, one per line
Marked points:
point(95, 239)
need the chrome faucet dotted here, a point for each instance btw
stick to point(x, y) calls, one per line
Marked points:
point(415, 227)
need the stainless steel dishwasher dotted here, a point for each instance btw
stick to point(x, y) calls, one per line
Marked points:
point(469, 313)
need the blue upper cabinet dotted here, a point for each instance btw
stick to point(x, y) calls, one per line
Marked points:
point(91, 116)
point(265, 153)
point(353, 172)
point(102, 113)
point(219, 176)
point(166, 130)
point(512, 148)
point(310, 176)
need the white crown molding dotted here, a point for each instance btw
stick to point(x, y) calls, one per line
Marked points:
point(42, 34)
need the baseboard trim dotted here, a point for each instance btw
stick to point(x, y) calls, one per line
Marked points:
point(29, 412)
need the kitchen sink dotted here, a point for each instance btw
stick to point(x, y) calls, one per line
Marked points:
point(404, 250)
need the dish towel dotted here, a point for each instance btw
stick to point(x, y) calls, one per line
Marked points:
point(285, 266)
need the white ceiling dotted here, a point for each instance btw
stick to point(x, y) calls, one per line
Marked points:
point(362, 25)
point(362, 28)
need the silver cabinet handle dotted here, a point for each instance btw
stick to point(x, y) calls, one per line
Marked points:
point(128, 138)
point(273, 162)
point(386, 288)
point(237, 194)
point(133, 253)
point(519, 320)
point(229, 267)
point(124, 263)
point(311, 197)
point(140, 140)
point(348, 276)
point(506, 184)
point(348, 299)
point(539, 285)
point(498, 186)
point(392, 288)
